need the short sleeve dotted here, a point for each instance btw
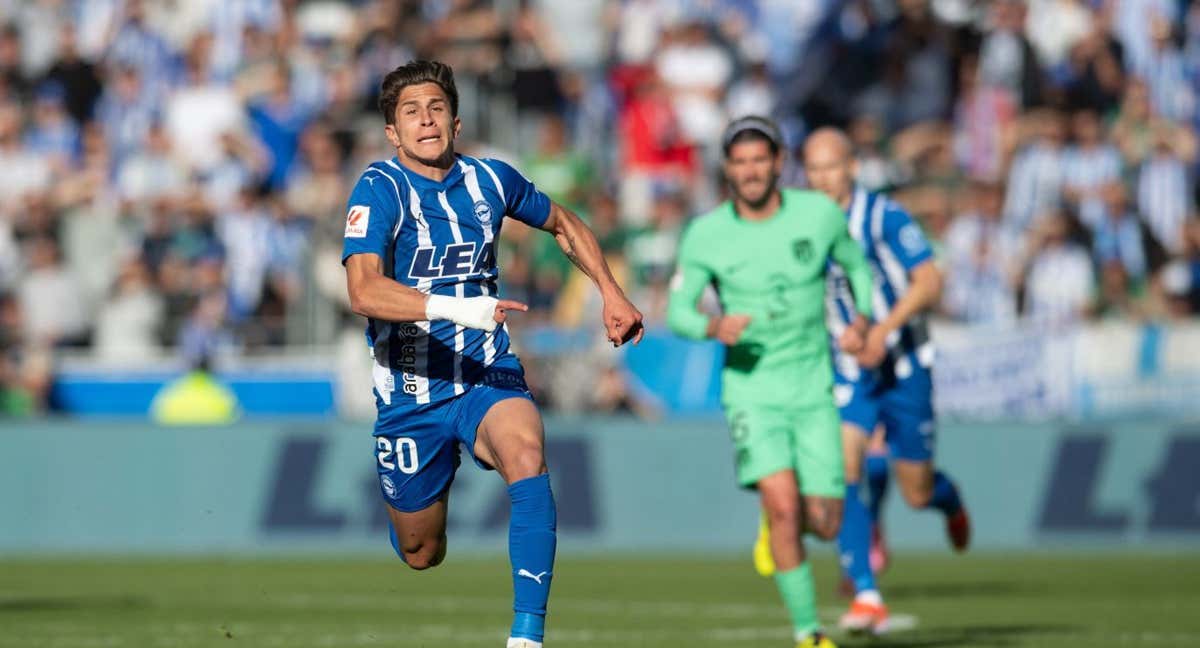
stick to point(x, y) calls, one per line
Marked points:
point(905, 238)
point(371, 215)
point(522, 200)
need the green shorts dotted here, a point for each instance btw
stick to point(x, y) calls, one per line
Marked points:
point(807, 440)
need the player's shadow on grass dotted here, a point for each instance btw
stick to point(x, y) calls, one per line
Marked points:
point(903, 591)
point(69, 603)
point(981, 635)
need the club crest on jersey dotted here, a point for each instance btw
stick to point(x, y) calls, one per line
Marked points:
point(483, 211)
point(802, 248)
point(912, 239)
point(457, 260)
point(356, 221)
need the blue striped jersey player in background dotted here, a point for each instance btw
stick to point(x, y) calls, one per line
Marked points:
point(421, 266)
point(889, 382)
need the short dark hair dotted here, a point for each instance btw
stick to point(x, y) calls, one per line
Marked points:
point(416, 73)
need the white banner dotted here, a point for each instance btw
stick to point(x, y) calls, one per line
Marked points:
point(989, 374)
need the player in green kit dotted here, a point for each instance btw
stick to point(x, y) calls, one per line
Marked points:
point(766, 252)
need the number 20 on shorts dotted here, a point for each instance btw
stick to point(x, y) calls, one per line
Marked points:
point(405, 454)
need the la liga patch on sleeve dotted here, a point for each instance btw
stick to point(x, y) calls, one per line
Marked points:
point(356, 221)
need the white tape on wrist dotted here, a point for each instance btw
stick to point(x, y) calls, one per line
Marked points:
point(471, 312)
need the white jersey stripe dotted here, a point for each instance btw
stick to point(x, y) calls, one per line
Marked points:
point(472, 181)
point(495, 180)
point(878, 299)
point(421, 340)
point(459, 335)
point(380, 347)
point(858, 210)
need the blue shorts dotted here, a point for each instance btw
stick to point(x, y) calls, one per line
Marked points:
point(417, 449)
point(903, 405)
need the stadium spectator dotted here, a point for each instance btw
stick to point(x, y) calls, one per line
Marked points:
point(10, 257)
point(13, 81)
point(1035, 178)
point(277, 120)
point(1054, 27)
point(984, 118)
point(752, 93)
point(1171, 93)
point(1163, 194)
point(696, 71)
point(24, 174)
point(151, 177)
point(1058, 277)
point(1092, 76)
point(979, 255)
point(1181, 278)
point(130, 321)
point(652, 250)
point(200, 111)
point(55, 311)
point(1089, 165)
point(138, 45)
point(556, 168)
point(1137, 131)
point(79, 78)
point(127, 111)
point(1006, 57)
point(25, 368)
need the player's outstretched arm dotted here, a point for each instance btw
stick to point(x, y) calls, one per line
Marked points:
point(376, 296)
point(622, 321)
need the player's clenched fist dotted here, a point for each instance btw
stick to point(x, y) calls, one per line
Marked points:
point(728, 328)
point(622, 321)
point(854, 336)
point(874, 348)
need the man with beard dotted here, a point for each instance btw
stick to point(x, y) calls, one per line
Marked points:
point(766, 252)
point(421, 266)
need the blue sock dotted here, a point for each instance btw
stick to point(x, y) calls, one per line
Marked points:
point(854, 541)
point(395, 541)
point(531, 544)
point(877, 484)
point(945, 495)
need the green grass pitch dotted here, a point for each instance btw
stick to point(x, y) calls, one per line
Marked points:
point(977, 600)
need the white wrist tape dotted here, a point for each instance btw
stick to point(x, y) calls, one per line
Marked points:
point(471, 312)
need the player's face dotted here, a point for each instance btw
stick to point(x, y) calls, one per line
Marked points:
point(424, 130)
point(830, 170)
point(753, 170)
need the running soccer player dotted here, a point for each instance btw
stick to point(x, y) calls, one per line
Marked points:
point(420, 265)
point(766, 252)
point(889, 380)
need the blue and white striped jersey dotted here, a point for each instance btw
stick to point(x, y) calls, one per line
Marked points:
point(437, 237)
point(893, 245)
point(1086, 170)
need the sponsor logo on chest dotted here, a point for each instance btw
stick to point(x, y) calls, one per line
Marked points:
point(454, 260)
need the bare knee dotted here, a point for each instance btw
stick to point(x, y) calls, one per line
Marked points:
point(425, 554)
point(823, 521)
point(783, 517)
point(827, 530)
point(524, 462)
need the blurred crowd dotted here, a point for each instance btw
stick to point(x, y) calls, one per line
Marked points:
point(173, 173)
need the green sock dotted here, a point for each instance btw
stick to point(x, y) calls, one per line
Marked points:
point(800, 597)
